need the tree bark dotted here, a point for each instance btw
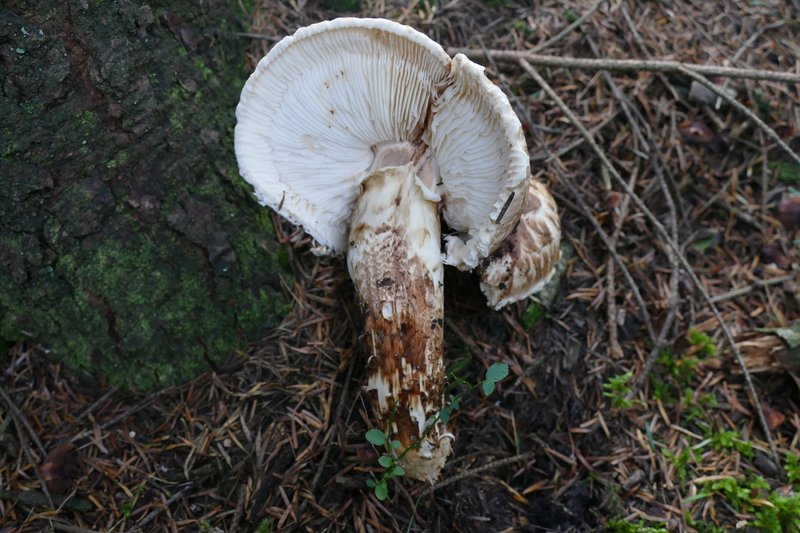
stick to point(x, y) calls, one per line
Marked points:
point(129, 245)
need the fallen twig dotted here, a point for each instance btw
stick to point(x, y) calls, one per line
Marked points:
point(611, 290)
point(577, 142)
point(648, 65)
point(764, 172)
point(655, 351)
point(34, 498)
point(656, 162)
point(257, 36)
point(241, 499)
point(71, 529)
point(639, 139)
point(150, 398)
point(337, 416)
point(452, 326)
point(750, 40)
point(19, 417)
point(750, 288)
point(152, 516)
point(21, 421)
point(587, 213)
point(637, 38)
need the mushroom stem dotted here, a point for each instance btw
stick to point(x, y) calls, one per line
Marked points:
point(395, 261)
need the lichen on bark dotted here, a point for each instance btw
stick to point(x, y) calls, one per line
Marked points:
point(129, 245)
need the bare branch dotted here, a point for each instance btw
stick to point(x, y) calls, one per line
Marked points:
point(649, 65)
point(749, 288)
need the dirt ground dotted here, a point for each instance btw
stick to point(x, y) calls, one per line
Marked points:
point(625, 409)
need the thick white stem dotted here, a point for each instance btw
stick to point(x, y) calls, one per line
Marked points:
point(395, 261)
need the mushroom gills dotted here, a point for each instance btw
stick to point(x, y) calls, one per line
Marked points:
point(395, 260)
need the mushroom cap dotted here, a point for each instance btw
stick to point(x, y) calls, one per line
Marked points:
point(319, 104)
point(525, 261)
point(325, 103)
point(483, 160)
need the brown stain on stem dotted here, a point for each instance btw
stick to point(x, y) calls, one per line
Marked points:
point(393, 262)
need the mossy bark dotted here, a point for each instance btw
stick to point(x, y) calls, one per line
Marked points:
point(129, 245)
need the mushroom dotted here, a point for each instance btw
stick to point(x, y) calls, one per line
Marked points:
point(525, 262)
point(363, 131)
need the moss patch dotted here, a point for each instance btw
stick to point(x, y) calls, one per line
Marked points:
point(129, 245)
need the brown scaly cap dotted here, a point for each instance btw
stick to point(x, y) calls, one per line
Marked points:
point(525, 262)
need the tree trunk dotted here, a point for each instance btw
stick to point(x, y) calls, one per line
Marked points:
point(129, 245)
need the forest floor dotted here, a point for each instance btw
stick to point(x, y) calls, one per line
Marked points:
point(626, 407)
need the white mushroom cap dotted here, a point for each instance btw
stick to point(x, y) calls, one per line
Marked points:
point(316, 106)
point(324, 103)
point(483, 160)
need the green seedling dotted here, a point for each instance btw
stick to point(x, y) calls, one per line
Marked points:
point(707, 346)
point(773, 510)
point(392, 457)
point(681, 461)
point(793, 468)
point(617, 388)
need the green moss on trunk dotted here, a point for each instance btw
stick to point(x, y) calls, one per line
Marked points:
point(129, 245)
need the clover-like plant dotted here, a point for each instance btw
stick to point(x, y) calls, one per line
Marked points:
point(393, 456)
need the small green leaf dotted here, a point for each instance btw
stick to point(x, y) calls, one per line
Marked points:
point(704, 244)
point(398, 471)
point(381, 490)
point(571, 16)
point(396, 444)
point(376, 437)
point(497, 372)
point(793, 468)
point(371, 483)
point(444, 415)
point(787, 172)
point(532, 314)
point(488, 387)
point(454, 404)
point(790, 335)
point(385, 461)
point(698, 496)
